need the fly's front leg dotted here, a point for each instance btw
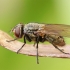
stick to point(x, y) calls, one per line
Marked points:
point(22, 45)
point(12, 40)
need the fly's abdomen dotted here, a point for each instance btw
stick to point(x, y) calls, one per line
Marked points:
point(56, 40)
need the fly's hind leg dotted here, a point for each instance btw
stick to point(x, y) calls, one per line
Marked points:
point(59, 49)
point(56, 46)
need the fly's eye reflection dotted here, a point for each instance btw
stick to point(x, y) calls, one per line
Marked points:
point(52, 33)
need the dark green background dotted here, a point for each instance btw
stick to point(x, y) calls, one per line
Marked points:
point(13, 12)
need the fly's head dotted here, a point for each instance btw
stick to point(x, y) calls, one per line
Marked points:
point(18, 30)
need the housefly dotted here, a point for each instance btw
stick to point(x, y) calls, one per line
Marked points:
point(36, 32)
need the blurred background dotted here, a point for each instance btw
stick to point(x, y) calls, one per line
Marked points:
point(13, 12)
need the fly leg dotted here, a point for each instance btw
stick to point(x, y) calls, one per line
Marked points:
point(56, 46)
point(59, 49)
point(22, 45)
point(12, 40)
point(37, 41)
point(34, 44)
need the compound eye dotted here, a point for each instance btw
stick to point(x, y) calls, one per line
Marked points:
point(17, 32)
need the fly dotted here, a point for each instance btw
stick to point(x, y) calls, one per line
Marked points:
point(53, 33)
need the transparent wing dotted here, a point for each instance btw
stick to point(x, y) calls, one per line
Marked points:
point(57, 29)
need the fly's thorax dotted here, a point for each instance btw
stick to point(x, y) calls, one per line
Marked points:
point(31, 27)
point(41, 26)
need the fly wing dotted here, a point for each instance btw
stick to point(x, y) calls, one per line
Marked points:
point(57, 29)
